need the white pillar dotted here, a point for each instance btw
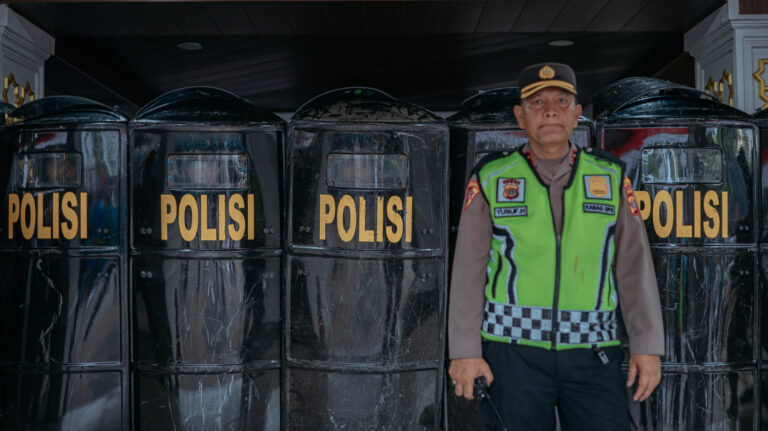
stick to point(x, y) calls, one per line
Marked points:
point(731, 53)
point(23, 51)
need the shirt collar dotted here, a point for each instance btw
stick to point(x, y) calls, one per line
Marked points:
point(572, 149)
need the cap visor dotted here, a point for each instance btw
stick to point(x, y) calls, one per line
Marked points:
point(536, 86)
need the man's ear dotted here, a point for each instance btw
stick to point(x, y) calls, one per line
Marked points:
point(519, 116)
point(578, 114)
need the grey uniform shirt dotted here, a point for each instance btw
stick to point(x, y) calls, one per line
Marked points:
point(635, 275)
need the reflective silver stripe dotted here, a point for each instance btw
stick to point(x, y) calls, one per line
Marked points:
point(506, 261)
point(498, 172)
point(604, 168)
point(606, 263)
point(516, 322)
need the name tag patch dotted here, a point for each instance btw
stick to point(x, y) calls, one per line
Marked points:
point(510, 190)
point(598, 187)
point(510, 212)
point(599, 209)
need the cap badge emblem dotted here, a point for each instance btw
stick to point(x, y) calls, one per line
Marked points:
point(546, 72)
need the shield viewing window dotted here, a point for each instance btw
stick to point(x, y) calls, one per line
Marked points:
point(490, 141)
point(681, 165)
point(367, 171)
point(580, 137)
point(47, 170)
point(208, 171)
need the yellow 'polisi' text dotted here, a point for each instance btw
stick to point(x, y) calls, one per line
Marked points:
point(28, 210)
point(350, 217)
point(192, 218)
point(714, 204)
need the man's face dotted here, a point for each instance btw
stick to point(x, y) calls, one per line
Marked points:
point(549, 116)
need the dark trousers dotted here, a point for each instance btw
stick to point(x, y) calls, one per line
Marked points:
point(530, 382)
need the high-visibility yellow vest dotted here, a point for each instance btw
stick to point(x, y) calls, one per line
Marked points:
point(545, 290)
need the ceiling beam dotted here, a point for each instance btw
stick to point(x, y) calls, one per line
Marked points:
point(239, 1)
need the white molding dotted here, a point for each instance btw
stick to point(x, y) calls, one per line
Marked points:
point(739, 65)
point(752, 25)
point(24, 30)
point(710, 30)
point(727, 39)
point(24, 48)
point(753, 44)
point(733, 8)
point(717, 50)
point(21, 50)
point(699, 75)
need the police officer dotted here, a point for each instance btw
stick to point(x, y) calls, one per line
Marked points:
point(550, 243)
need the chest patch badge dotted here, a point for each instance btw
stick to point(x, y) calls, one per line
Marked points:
point(510, 190)
point(598, 187)
point(473, 189)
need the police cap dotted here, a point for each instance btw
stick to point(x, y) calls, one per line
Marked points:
point(539, 76)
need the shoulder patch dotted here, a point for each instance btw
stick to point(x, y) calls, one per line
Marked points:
point(629, 192)
point(473, 189)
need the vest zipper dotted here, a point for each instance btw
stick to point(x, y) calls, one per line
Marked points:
point(558, 236)
point(555, 318)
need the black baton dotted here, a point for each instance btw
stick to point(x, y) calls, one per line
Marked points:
point(481, 392)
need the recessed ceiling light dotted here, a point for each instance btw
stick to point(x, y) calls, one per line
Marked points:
point(562, 42)
point(189, 46)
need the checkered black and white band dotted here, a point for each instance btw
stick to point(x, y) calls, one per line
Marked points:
point(535, 324)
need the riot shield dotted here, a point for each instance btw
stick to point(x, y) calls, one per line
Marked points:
point(206, 171)
point(64, 355)
point(692, 164)
point(366, 264)
point(762, 121)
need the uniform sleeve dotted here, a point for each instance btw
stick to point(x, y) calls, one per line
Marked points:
point(636, 281)
point(467, 297)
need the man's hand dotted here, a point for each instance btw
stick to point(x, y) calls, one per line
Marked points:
point(464, 372)
point(647, 370)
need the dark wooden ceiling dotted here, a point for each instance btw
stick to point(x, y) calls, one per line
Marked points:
point(280, 54)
